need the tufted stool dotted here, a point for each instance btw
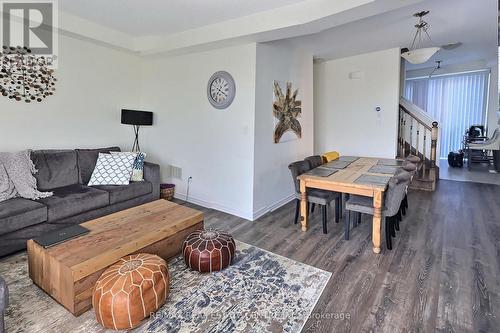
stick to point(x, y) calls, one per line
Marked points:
point(130, 290)
point(208, 250)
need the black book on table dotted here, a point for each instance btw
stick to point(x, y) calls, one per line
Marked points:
point(59, 236)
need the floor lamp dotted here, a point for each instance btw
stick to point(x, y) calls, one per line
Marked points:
point(137, 119)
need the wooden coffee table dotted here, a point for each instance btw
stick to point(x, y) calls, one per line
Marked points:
point(68, 271)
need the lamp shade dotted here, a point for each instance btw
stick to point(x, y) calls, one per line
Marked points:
point(419, 56)
point(135, 117)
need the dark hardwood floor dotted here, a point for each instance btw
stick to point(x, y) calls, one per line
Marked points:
point(442, 275)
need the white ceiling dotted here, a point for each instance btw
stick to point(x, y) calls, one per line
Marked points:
point(327, 28)
point(175, 27)
point(140, 18)
point(472, 22)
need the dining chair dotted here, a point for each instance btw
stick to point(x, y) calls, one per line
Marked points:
point(392, 203)
point(402, 176)
point(409, 169)
point(314, 161)
point(412, 169)
point(330, 156)
point(413, 159)
point(316, 196)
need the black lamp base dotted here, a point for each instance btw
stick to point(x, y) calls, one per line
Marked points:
point(135, 147)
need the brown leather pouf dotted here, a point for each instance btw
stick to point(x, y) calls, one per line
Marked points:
point(130, 290)
point(208, 250)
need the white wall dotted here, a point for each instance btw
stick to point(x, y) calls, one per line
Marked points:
point(345, 119)
point(215, 147)
point(272, 181)
point(93, 84)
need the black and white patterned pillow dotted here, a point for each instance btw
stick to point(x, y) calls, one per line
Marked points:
point(112, 169)
point(138, 170)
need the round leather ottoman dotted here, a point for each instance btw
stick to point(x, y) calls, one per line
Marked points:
point(208, 250)
point(129, 290)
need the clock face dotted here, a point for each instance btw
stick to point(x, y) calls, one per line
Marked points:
point(221, 90)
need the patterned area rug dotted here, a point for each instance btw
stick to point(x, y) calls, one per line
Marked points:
point(260, 292)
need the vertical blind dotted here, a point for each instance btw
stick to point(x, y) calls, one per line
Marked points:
point(455, 101)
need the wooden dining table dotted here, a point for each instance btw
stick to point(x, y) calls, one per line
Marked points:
point(364, 176)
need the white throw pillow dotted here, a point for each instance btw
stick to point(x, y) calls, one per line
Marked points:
point(138, 170)
point(112, 169)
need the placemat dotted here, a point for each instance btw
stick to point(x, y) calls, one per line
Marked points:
point(390, 161)
point(336, 164)
point(348, 158)
point(386, 169)
point(321, 172)
point(372, 180)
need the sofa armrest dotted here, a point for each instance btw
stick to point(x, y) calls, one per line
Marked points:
point(152, 174)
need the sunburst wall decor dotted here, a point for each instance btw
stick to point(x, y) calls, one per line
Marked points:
point(25, 76)
point(286, 110)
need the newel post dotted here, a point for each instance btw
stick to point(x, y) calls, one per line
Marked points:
point(434, 138)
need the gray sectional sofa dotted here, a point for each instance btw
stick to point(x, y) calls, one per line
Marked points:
point(66, 173)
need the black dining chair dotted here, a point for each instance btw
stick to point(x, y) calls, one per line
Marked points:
point(315, 196)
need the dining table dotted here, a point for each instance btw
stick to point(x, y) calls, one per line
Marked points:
point(365, 176)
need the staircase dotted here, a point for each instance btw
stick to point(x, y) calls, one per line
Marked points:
point(418, 135)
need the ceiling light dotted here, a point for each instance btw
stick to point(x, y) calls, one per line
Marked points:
point(451, 46)
point(418, 54)
point(438, 67)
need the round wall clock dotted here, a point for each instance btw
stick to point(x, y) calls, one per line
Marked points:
point(221, 90)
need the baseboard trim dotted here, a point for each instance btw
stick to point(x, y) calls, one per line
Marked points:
point(211, 205)
point(248, 216)
point(271, 208)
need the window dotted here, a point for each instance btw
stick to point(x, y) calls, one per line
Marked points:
point(455, 101)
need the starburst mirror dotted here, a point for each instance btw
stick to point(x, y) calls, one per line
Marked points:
point(287, 110)
point(25, 76)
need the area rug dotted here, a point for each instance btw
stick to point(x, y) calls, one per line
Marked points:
point(260, 292)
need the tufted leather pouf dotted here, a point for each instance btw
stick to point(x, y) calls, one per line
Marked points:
point(130, 290)
point(208, 250)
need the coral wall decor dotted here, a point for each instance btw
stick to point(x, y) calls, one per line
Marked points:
point(286, 110)
point(25, 76)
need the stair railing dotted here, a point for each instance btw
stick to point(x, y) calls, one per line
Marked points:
point(415, 127)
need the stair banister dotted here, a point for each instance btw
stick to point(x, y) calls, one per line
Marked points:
point(420, 123)
point(434, 138)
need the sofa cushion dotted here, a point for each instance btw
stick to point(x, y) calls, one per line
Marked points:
point(120, 193)
point(87, 159)
point(20, 213)
point(56, 168)
point(72, 200)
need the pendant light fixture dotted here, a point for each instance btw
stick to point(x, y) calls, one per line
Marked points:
point(417, 53)
point(437, 68)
